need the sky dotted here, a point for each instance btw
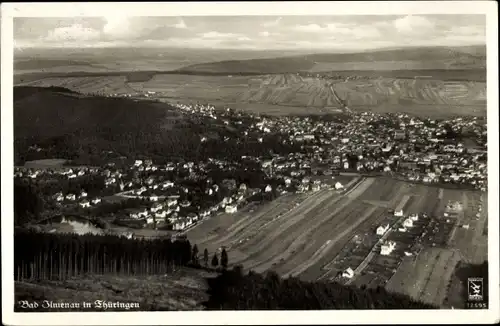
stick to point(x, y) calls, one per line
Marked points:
point(252, 32)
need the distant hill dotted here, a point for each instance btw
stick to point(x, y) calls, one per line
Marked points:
point(34, 63)
point(473, 57)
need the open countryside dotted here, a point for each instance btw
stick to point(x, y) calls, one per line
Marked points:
point(293, 93)
point(319, 236)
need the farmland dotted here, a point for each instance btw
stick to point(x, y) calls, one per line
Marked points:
point(91, 84)
point(316, 236)
point(290, 93)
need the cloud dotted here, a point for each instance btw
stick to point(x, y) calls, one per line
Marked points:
point(181, 24)
point(217, 35)
point(413, 24)
point(340, 30)
point(272, 23)
point(118, 27)
point(290, 32)
point(468, 31)
point(75, 32)
point(309, 28)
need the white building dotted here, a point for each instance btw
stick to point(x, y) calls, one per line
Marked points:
point(180, 225)
point(381, 230)
point(143, 213)
point(83, 194)
point(348, 273)
point(408, 253)
point(59, 197)
point(161, 214)
point(387, 248)
point(408, 223)
point(138, 163)
point(70, 197)
point(153, 198)
point(403, 229)
point(226, 201)
point(96, 201)
point(185, 203)
point(156, 207)
point(268, 188)
point(346, 165)
point(231, 209)
point(414, 217)
point(167, 184)
point(398, 213)
point(85, 204)
point(338, 186)
point(171, 202)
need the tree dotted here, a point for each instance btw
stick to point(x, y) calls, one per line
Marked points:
point(194, 256)
point(223, 258)
point(215, 260)
point(28, 204)
point(205, 257)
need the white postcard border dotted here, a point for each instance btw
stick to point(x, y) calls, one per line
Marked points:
point(11, 10)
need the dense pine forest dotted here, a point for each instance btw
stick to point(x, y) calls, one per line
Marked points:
point(59, 256)
point(42, 256)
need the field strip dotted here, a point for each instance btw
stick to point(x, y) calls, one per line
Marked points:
point(247, 227)
point(250, 218)
point(379, 203)
point(426, 276)
point(315, 258)
point(431, 291)
point(298, 210)
point(260, 243)
point(204, 232)
point(403, 202)
point(270, 247)
point(352, 183)
point(302, 237)
point(318, 236)
point(444, 279)
point(360, 187)
point(440, 195)
point(331, 264)
point(291, 258)
point(458, 221)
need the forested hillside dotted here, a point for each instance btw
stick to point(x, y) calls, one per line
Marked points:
point(55, 122)
point(63, 257)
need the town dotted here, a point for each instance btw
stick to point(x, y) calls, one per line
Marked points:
point(177, 195)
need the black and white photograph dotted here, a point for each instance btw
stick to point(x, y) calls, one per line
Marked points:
point(263, 160)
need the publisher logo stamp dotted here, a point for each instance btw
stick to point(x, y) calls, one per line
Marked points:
point(475, 288)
